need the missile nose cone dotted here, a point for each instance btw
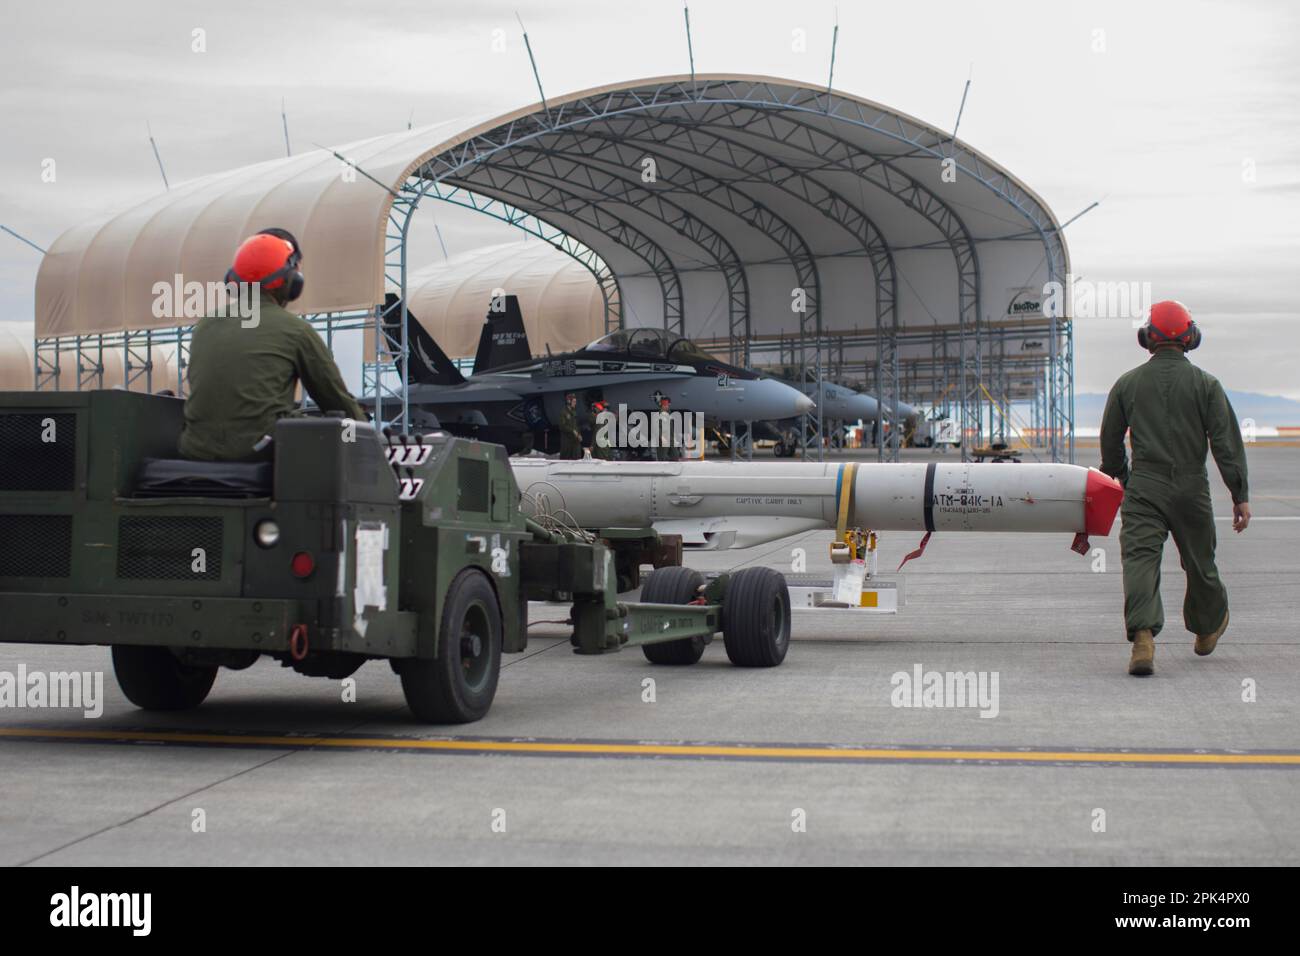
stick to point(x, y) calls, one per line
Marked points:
point(1102, 497)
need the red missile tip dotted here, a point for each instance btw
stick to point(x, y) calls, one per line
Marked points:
point(1102, 496)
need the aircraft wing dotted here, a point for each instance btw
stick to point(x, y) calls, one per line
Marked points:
point(585, 376)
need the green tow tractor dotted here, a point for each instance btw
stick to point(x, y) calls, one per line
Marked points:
point(347, 546)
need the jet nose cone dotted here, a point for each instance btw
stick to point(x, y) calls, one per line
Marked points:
point(771, 400)
point(863, 408)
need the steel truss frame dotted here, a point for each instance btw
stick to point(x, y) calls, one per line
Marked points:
point(929, 380)
point(834, 152)
point(531, 165)
point(749, 165)
point(526, 174)
point(605, 278)
point(690, 179)
point(780, 100)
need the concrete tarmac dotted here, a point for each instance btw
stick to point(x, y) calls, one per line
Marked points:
point(812, 762)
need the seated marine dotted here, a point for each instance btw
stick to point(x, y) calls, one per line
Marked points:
point(243, 371)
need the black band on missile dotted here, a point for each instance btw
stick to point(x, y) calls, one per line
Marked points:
point(929, 495)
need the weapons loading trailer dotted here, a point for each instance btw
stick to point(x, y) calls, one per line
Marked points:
point(348, 547)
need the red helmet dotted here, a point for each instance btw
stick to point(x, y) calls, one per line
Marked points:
point(1169, 321)
point(270, 258)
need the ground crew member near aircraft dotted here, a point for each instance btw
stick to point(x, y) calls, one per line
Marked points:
point(1172, 411)
point(665, 448)
point(570, 436)
point(242, 374)
point(600, 444)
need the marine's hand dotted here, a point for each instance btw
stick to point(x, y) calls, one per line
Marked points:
point(1240, 516)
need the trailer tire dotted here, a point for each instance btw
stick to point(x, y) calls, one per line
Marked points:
point(457, 686)
point(673, 585)
point(153, 678)
point(756, 618)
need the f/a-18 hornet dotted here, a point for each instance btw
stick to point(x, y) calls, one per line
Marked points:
point(516, 399)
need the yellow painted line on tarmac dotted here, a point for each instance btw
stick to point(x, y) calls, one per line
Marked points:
point(578, 748)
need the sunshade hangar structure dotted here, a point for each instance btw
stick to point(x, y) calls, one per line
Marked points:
point(753, 213)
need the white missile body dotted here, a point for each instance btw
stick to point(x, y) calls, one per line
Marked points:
point(722, 504)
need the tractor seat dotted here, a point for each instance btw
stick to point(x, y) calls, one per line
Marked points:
point(183, 478)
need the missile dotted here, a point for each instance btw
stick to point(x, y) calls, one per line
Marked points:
point(723, 504)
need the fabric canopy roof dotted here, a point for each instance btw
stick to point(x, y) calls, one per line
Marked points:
point(17, 371)
point(560, 300)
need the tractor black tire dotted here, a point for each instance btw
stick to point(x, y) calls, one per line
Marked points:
point(457, 686)
point(756, 618)
point(153, 678)
point(673, 585)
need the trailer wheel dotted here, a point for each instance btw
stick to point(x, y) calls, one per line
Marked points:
point(458, 685)
point(673, 585)
point(756, 618)
point(153, 678)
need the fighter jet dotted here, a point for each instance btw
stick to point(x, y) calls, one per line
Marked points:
point(838, 404)
point(515, 399)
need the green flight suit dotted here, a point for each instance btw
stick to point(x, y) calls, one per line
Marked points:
point(241, 379)
point(667, 449)
point(570, 437)
point(1172, 411)
point(600, 443)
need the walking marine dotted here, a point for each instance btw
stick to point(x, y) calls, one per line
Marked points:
point(1172, 411)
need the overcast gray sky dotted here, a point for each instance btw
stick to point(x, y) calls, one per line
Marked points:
point(1162, 115)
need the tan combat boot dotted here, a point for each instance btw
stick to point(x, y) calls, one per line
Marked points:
point(1205, 643)
point(1143, 661)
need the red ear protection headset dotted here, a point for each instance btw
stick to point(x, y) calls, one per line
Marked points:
point(1169, 321)
point(271, 258)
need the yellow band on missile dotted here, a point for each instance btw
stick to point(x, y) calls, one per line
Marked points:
point(845, 496)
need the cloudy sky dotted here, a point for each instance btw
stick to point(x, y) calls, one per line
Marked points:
point(1182, 118)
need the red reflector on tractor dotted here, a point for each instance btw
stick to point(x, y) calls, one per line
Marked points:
point(303, 564)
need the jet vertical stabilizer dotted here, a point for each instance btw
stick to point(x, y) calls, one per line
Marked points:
point(503, 340)
point(429, 363)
